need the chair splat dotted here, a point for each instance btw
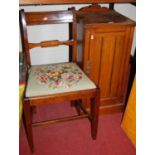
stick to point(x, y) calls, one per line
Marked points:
point(51, 43)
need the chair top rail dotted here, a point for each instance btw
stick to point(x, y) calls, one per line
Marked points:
point(54, 17)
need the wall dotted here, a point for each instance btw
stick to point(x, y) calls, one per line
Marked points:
point(52, 54)
point(129, 11)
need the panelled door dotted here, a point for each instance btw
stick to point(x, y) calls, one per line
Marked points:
point(108, 59)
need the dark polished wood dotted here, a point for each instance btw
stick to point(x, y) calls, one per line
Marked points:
point(51, 43)
point(54, 17)
point(111, 6)
point(41, 18)
point(94, 114)
point(105, 38)
point(94, 8)
point(32, 2)
point(59, 17)
point(53, 121)
point(24, 37)
point(60, 97)
point(28, 123)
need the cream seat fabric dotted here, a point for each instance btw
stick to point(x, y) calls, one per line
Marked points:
point(56, 78)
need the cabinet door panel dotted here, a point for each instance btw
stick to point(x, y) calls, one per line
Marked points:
point(117, 64)
point(106, 65)
point(107, 59)
point(94, 58)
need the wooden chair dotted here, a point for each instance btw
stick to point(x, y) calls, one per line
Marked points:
point(55, 82)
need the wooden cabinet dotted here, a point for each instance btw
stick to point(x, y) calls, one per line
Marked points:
point(104, 46)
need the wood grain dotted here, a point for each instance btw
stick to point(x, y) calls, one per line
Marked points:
point(76, 95)
point(107, 40)
point(41, 18)
point(51, 43)
point(31, 2)
point(55, 17)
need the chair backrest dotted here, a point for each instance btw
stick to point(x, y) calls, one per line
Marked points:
point(41, 18)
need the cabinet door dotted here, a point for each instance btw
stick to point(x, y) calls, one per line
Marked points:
point(109, 55)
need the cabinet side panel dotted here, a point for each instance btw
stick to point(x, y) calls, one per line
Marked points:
point(125, 65)
point(129, 34)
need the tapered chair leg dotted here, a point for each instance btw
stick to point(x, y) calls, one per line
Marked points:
point(94, 114)
point(28, 123)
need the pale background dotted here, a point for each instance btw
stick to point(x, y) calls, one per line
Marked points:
point(60, 54)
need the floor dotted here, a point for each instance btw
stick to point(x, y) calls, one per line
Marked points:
point(74, 138)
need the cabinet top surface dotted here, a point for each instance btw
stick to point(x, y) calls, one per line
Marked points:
point(108, 17)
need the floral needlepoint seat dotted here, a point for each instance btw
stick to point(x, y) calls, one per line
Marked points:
point(56, 78)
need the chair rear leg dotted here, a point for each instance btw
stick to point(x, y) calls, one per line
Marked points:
point(94, 114)
point(28, 123)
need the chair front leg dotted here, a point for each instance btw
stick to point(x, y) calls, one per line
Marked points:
point(28, 123)
point(94, 114)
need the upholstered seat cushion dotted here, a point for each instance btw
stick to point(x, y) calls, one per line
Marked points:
point(56, 78)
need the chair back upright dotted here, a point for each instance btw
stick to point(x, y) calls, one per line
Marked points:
point(42, 18)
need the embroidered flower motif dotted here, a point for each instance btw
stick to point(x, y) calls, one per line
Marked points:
point(54, 73)
point(42, 78)
point(58, 75)
point(67, 75)
point(67, 66)
point(78, 76)
point(56, 84)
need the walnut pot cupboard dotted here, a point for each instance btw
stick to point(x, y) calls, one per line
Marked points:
point(104, 46)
